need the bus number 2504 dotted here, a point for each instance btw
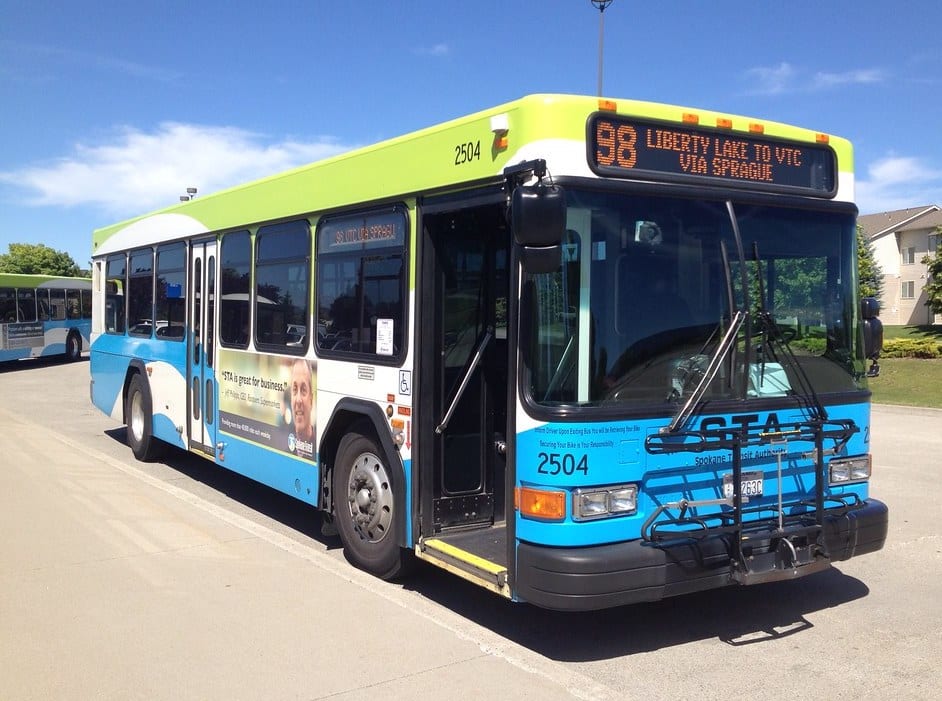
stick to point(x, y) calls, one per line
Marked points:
point(565, 463)
point(465, 153)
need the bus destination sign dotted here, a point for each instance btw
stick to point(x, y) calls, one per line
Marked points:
point(634, 148)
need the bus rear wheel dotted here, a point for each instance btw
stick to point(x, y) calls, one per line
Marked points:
point(139, 416)
point(73, 346)
point(365, 507)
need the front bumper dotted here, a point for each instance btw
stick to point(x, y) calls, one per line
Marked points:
point(579, 579)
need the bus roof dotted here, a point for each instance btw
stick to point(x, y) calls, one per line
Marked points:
point(43, 281)
point(471, 149)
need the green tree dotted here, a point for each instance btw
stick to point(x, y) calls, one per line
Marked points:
point(37, 259)
point(933, 285)
point(869, 272)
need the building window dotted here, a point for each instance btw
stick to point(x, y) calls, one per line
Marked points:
point(908, 289)
point(909, 255)
point(933, 244)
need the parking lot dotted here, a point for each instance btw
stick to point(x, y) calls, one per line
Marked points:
point(180, 580)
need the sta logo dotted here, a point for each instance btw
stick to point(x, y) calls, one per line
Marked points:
point(744, 421)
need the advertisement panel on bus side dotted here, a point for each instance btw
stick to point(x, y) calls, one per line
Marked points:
point(268, 400)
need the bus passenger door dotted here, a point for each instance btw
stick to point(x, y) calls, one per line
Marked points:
point(467, 267)
point(201, 384)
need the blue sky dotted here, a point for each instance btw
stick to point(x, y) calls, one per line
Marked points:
point(112, 109)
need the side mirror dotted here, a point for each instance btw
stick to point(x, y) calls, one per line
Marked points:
point(872, 333)
point(538, 221)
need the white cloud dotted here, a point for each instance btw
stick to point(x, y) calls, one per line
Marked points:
point(898, 182)
point(786, 78)
point(772, 80)
point(823, 80)
point(45, 60)
point(440, 49)
point(137, 171)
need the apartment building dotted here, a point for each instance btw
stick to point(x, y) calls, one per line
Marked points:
point(900, 241)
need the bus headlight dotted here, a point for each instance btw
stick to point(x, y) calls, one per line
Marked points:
point(848, 470)
point(607, 502)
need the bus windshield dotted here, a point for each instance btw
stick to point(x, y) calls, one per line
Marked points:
point(647, 289)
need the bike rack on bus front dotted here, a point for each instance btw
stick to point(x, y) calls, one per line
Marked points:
point(793, 547)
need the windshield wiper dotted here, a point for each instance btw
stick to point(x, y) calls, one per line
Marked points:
point(772, 336)
point(727, 346)
point(719, 355)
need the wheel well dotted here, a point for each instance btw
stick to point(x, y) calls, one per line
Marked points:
point(368, 420)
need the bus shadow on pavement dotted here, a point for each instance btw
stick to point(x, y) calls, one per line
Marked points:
point(290, 512)
point(736, 615)
point(35, 363)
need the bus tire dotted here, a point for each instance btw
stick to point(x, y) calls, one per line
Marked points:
point(138, 413)
point(73, 346)
point(365, 507)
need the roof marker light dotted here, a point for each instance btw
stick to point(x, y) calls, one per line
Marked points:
point(690, 118)
point(756, 128)
point(822, 138)
point(724, 123)
point(500, 125)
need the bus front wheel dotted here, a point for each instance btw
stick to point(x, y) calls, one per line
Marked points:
point(365, 509)
point(139, 416)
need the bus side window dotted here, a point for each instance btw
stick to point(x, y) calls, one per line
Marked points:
point(7, 305)
point(235, 260)
point(115, 313)
point(56, 305)
point(73, 304)
point(282, 284)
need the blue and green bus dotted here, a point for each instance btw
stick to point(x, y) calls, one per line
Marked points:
point(582, 352)
point(44, 315)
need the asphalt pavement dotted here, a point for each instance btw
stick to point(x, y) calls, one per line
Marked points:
point(180, 580)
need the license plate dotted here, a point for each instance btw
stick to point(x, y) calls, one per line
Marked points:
point(750, 486)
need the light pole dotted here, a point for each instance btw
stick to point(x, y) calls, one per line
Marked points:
point(601, 5)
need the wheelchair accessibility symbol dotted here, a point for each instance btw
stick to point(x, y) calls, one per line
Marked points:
point(405, 382)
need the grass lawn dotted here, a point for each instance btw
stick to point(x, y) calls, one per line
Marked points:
point(909, 381)
point(914, 332)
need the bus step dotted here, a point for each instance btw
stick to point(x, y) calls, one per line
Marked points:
point(465, 564)
point(786, 561)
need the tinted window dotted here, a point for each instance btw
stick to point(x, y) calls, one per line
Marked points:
point(235, 284)
point(361, 283)
point(115, 284)
point(282, 286)
point(171, 292)
point(141, 293)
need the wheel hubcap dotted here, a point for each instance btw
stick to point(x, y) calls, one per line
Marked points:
point(370, 498)
point(136, 419)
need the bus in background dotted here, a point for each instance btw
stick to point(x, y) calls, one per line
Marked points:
point(581, 352)
point(44, 315)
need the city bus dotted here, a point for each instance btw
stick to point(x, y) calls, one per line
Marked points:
point(581, 352)
point(44, 315)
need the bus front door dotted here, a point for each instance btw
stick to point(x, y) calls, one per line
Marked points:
point(466, 259)
point(201, 350)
